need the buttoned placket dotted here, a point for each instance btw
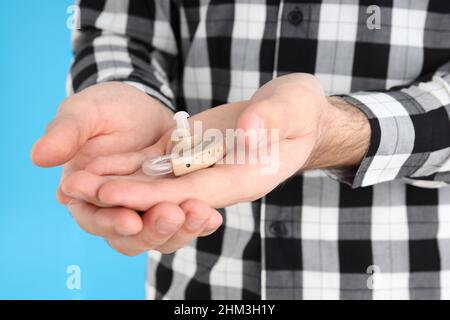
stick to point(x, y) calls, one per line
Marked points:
point(293, 16)
point(263, 200)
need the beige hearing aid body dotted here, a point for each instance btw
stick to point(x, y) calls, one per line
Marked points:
point(200, 155)
point(189, 153)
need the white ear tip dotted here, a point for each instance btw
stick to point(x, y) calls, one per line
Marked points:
point(181, 118)
point(181, 115)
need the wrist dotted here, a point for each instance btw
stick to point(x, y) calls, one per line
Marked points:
point(343, 136)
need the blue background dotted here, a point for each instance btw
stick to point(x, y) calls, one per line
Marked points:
point(38, 237)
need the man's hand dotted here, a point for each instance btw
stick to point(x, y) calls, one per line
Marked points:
point(314, 132)
point(112, 118)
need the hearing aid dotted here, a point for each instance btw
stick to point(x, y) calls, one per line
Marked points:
point(189, 153)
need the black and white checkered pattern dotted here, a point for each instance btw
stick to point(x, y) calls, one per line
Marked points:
point(313, 237)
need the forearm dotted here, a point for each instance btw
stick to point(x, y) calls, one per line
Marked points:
point(344, 137)
point(384, 136)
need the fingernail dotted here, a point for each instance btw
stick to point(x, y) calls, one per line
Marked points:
point(123, 231)
point(194, 224)
point(211, 227)
point(166, 227)
point(213, 224)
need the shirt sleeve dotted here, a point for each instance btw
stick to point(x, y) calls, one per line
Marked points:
point(410, 136)
point(129, 41)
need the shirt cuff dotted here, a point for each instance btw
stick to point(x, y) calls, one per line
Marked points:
point(391, 142)
point(154, 94)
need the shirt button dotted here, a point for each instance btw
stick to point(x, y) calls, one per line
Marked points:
point(278, 228)
point(295, 17)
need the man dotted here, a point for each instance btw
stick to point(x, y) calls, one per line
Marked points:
point(360, 206)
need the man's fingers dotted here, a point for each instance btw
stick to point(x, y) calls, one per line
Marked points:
point(118, 164)
point(161, 222)
point(215, 186)
point(124, 163)
point(83, 185)
point(61, 197)
point(105, 222)
point(214, 222)
point(218, 186)
point(199, 218)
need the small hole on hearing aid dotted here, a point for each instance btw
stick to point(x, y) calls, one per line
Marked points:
point(188, 165)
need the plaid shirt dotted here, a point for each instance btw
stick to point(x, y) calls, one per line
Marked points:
point(314, 236)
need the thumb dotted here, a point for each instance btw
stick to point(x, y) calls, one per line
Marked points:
point(61, 141)
point(267, 117)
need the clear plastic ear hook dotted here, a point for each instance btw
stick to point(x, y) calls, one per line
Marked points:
point(158, 166)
